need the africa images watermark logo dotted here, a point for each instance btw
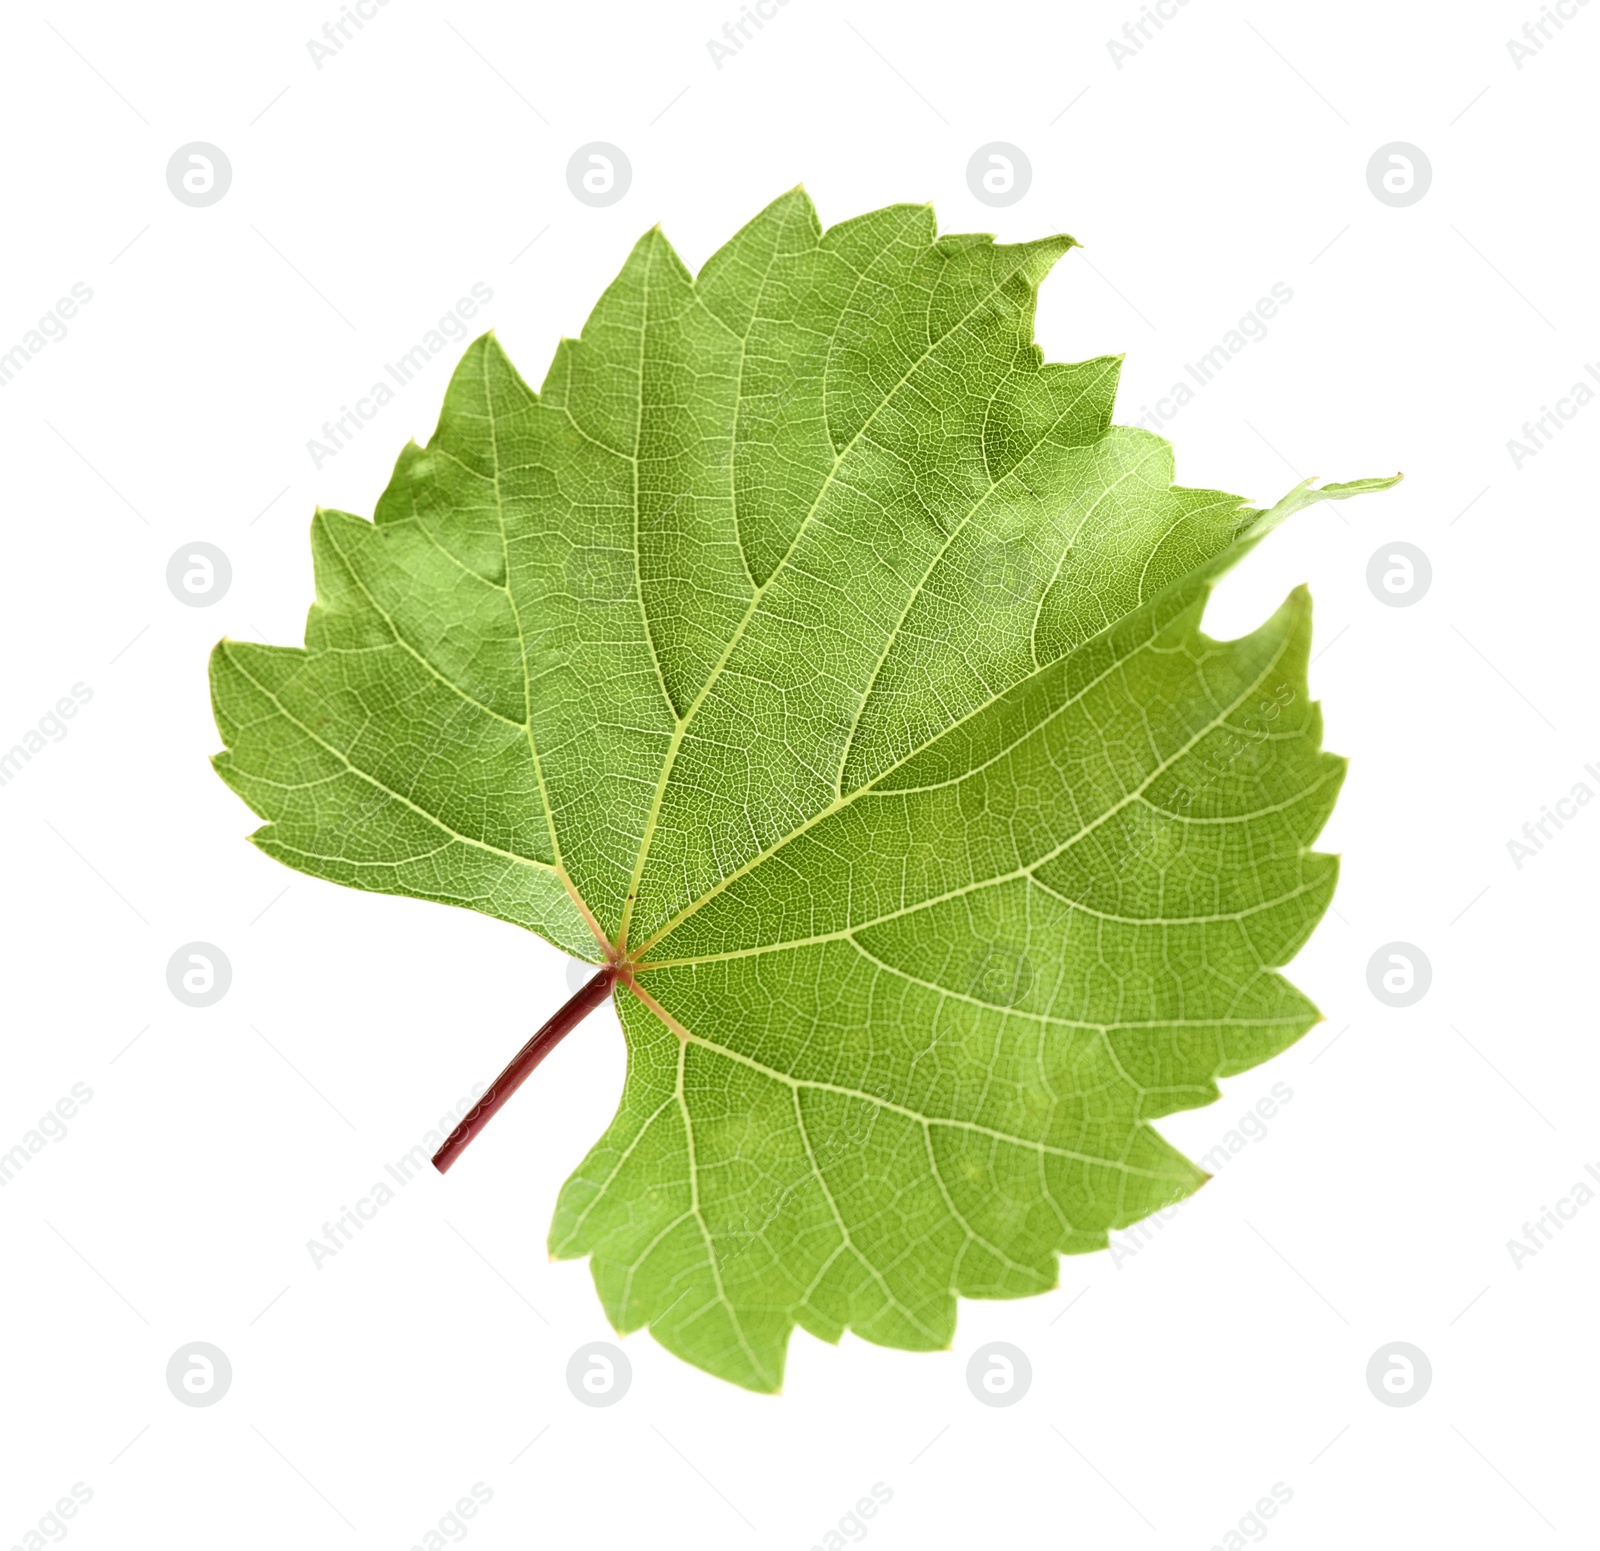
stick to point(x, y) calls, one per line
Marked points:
point(1138, 32)
point(342, 1230)
point(51, 329)
point(1536, 34)
point(737, 32)
point(1537, 834)
point(52, 726)
point(1251, 329)
point(1538, 434)
point(1541, 1232)
point(452, 327)
point(50, 1127)
point(337, 33)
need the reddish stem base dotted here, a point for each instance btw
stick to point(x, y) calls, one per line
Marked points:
point(559, 1025)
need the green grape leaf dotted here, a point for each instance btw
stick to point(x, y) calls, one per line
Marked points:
point(813, 651)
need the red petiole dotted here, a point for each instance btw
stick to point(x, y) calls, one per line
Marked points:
point(551, 1033)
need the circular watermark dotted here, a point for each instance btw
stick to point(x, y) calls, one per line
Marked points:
point(599, 173)
point(1399, 974)
point(999, 1374)
point(1002, 977)
point(599, 1374)
point(199, 173)
point(198, 574)
point(1399, 575)
point(199, 1374)
point(1399, 173)
point(1002, 572)
point(999, 173)
point(1399, 1374)
point(199, 974)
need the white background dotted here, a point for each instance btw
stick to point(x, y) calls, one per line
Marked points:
point(1171, 1388)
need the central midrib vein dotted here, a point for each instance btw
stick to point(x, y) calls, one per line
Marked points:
point(755, 601)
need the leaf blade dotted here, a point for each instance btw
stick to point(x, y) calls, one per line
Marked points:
point(811, 645)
